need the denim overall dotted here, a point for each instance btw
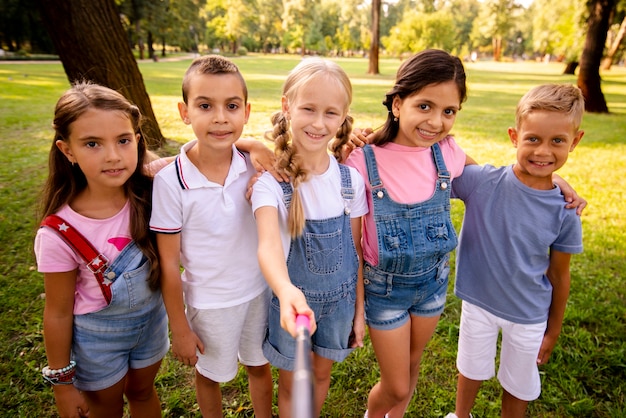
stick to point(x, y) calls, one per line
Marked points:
point(131, 331)
point(414, 242)
point(323, 263)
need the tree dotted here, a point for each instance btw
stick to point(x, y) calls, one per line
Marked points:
point(589, 73)
point(615, 44)
point(298, 21)
point(417, 31)
point(558, 29)
point(375, 45)
point(493, 22)
point(91, 44)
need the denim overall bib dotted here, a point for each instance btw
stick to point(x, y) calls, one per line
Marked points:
point(323, 264)
point(131, 331)
point(414, 242)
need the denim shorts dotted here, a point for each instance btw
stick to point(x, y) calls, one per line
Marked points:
point(130, 333)
point(391, 298)
point(334, 313)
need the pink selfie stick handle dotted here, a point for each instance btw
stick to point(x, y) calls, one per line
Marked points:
point(303, 321)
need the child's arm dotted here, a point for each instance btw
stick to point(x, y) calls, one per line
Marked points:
point(358, 324)
point(571, 197)
point(274, 268)
point(559, 276)
point(263, 158)
point(184, 340)
point(58, 320)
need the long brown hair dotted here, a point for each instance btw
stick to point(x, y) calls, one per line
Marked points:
point(287, 158)
point(66, 180)
point(431, 66)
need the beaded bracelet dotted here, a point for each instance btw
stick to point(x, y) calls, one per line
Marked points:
point(64, 376)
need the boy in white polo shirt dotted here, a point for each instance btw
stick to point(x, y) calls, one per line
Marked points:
point(204, 223)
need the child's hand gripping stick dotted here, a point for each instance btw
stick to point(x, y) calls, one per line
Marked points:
point(302, 391)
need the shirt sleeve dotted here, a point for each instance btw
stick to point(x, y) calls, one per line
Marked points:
point(167, 212)
point(53, 254)
point(359, 203)
point(454, 156)
point(266, 192)
point(463, 185)
point(570, 239)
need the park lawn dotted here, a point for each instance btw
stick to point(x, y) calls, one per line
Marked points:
point(586, 374)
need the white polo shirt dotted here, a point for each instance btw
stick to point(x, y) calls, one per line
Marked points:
point(218, 230)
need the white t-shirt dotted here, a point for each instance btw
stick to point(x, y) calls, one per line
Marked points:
point(109, 236)
point(217, 230)
point(321, 197)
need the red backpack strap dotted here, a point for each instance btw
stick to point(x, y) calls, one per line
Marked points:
point(96, 262)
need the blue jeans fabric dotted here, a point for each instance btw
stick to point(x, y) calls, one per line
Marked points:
point(414, 242)
point(323, 263)
point(130, 332)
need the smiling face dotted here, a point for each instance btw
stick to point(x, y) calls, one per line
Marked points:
point(316, 113)
point(427, 116)
point(216, 109)
point(104, 145)
point(543, 141)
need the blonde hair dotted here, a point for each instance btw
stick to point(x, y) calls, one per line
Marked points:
point(563, 98)
point(287, 158)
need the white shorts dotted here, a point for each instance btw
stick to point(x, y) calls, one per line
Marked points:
point(478, 338)
point(230, 335)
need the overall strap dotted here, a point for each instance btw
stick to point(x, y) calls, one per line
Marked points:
point(96, 262)
point(442, 170)
point(372, 168)
point(347, 191)
point(287, 193)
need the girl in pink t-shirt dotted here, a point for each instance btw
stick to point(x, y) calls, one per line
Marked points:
point(408, 234)
point(105, 325)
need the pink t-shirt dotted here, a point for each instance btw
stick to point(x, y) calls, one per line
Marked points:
point(109, 236)
point(408, 174)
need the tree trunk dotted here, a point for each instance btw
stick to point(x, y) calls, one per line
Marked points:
point(496, 42)
point(375, 46)
point(92, 45)
point(589, 74)
point(608, 60)
point(570, 67)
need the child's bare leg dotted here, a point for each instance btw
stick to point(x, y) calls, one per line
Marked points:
point(321, 369)
point(142, 397)
point(209, 396)
point(512, 407)
point(107, 402)
point(392, 349)
point(261, 385)
point(422, 329)
point(466, 391)
point(285, 382)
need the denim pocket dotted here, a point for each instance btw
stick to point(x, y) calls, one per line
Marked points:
point(376, 284)
point(324, 252)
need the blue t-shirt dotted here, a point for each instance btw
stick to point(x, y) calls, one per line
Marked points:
point(505, 242)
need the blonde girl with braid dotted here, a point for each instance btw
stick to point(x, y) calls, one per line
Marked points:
point(307, 251)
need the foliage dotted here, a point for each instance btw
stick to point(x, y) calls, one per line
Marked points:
point(418, 31)
point(336, 27)
point(586, 375)
point(559, 28)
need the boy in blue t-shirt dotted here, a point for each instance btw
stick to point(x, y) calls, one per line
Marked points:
point(514, 253)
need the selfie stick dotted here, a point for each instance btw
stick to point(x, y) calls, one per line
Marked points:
point(302, 390)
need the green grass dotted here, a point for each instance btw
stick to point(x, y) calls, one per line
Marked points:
point(586, 374)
